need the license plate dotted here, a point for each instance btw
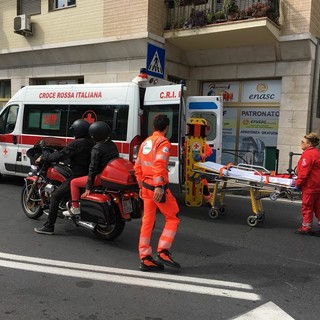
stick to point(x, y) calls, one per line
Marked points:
point(127, 206)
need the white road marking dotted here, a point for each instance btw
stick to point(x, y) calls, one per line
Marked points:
point(268, 311)
point(130, 277)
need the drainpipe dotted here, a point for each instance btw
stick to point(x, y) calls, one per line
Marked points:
point(314, 85)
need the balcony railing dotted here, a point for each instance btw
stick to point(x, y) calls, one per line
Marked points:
point(188, 14)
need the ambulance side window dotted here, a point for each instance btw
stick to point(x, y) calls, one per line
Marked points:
point(116, 116)
point(46, 120)
point(8, 119)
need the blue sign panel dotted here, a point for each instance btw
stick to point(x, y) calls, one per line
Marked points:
point(155, 61)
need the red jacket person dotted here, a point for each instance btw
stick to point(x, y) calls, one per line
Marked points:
point(152, 175)
point(308, 181)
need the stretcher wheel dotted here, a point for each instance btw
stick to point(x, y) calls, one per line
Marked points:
point(222, 209)
point(274, 196)
point(261, 217)
point(214, 213)
point(252, 221)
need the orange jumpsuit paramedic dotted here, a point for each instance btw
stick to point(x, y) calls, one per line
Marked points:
point(152, 175)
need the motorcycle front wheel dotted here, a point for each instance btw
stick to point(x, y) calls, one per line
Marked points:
point(112, 231)
point(32, 208)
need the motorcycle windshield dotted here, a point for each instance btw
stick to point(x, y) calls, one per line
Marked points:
point(48, 142)
point(51, 142)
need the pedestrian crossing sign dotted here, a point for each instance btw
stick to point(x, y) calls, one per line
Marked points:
point(155, 61)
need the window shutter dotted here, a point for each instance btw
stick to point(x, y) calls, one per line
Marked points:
point(30, 7)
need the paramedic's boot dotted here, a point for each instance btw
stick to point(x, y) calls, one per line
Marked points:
point(47, 228)
point(74, 211)
point(164, 256)
point(149, 264)
point(303, 230)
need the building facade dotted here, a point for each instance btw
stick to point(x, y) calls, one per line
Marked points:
point(265, 66)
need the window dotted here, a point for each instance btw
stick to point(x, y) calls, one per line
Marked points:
point(59, 4)
point(55, 120)
point(171, 111)
point(5, 89)
point(8, 119)
point(116, 116)
point(45, 120)
point(212, 122)
point(28, 7)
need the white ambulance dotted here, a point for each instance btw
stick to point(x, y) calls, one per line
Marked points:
point(129, 108)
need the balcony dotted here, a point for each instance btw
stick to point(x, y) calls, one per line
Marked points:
point(208, 24)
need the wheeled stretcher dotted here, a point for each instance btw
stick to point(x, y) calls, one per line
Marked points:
point(256, 179)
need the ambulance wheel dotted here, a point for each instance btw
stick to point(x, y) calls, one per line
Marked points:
point(252, 221)
point(110, 231)
point(32, 208)
point(222, 210)
point(214, 213)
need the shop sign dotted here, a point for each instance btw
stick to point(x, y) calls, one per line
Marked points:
point(228, 90)
point(261, 91)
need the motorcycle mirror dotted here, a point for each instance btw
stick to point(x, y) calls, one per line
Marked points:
point(42, 143)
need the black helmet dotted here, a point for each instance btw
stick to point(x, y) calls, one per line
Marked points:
point(80, 128)
point(99, 131)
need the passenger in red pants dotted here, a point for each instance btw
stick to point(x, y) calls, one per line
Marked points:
point(104, 151)
point(308, 181)
point(152, 175)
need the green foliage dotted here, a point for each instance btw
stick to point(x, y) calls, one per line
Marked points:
point(230, 6)
point(220, 15)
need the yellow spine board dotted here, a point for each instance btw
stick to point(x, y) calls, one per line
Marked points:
point(195, 145)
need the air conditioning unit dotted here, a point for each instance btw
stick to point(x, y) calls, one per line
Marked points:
point(22, 24)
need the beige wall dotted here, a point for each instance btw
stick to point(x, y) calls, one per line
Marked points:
point(89, 20)
point(56, 27)
point(295, 16)
point(123, 17)
point(315, 20)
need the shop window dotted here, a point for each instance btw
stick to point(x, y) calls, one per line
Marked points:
point(60, 4)
point(28, 7)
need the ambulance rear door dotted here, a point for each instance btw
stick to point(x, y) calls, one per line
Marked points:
point(167, 100)
point(209, 108)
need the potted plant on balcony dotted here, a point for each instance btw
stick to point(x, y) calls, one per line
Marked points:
point(220, 16)
point(260, 9)
point(231, 9)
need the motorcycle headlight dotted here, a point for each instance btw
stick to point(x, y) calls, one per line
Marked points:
point(34, 170)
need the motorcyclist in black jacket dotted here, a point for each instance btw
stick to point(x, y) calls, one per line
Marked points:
point(78, 152)
point(104, 151)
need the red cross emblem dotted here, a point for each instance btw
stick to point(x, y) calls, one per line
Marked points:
point(196, 146)
point(90, 116)
point(5, 151)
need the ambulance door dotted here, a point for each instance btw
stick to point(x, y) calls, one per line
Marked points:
point(209, 108)
point(9, 140)
point(167, 100)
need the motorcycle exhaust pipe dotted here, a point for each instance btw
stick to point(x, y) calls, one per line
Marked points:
point(87, 225)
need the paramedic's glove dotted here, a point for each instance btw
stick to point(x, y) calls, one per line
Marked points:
point(197, 157)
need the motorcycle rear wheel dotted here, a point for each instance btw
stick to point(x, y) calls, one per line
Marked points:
point(31, 208)
point(110, 232)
